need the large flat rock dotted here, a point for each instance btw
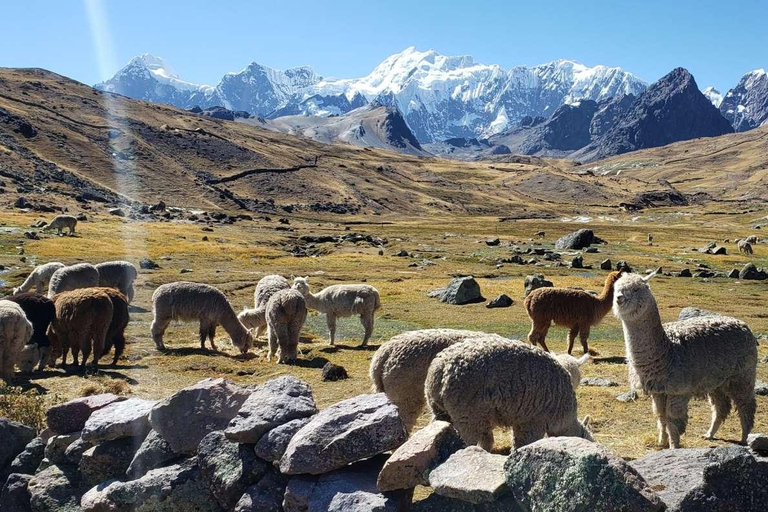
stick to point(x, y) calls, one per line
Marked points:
point(472, 475)
point(127, 418)
point(273, 444)
point(71, 416)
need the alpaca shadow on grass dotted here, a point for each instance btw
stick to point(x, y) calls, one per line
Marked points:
point(315, 362)
point(610, 360)
point(137, 309)
point(194, 351)
point(22, 382)
point(331, 349)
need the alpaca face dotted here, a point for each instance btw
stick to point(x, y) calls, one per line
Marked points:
point(28, 358)
point(631, 297)
point(301, 284)
point(585, 432)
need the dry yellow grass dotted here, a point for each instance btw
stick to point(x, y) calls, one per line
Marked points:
point(236, 256)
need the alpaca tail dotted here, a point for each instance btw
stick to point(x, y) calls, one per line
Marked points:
point(376, 372)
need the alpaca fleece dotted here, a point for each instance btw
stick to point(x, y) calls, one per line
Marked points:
point(266, 287)
point(15, 332)
point(185, 301)
point(119, 275)
point(81, 275)
point(39, 277)
point(481, 384)
point(40, 312)
point(399, 367)
point(713, 356)
point(61, 222)
point(81, 324)
point(120, 318)
point(575, 309)
point(286, 312)
point(342, 300)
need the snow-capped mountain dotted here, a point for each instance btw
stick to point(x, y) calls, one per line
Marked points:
point(746, 105)
point(439, 96)
point(713, 95)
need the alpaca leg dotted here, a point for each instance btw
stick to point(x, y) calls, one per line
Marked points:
point(367, 321)
point(742, 392)
point(272, 337)
point(721, 407)
point(538, 336)
point(130, 294)
point(44, 353)
point(583, 335)
point(159, 325)
point(86, 350)
point(204, 327)
point(527, 434)
point(478, 433)
point(119, 344)
point(409, 411)
point(572, 337)
point(5, 374)
point(212, 336)
point(677, 418)
point(331, 319)
point(260, 330)
point(659, 402)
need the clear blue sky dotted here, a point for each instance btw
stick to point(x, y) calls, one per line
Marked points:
point(717, 41)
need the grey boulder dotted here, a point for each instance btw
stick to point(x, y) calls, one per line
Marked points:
point(15, 438)
point(272, 445)
point(569, 473)
point(577, 240)
point(56, 448)
point(126, 418)
point(71, 416)
point(29, 460)
point(153, 453)
point(190, 414)
point(348, 431)
point(272, 404)
point(462, 290)
point(502, 301)
point(265, 496)
point(15, 494)
point(472, 475)
point(534, 282)
point(55, 489)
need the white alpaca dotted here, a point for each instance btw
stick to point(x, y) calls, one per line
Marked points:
point(286, 312)
point(267, 286)
point(15, 332)
point(119, 275)
point(573, 366)
point(714, 356)
point(82, 275)
point(60, 222)
point(342, 300)
point(39, 278)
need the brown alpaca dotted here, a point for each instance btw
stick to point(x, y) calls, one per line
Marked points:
point(82, 321)
point(575, 309)
point(120, 318)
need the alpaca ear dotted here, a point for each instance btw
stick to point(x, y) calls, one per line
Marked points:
point(585, 421)
point(650, 276)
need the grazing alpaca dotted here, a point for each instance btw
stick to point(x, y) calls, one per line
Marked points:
point(256, 318)
point(82, 321)
point(39, 277)
point(120, 318)
point(342, 300)
point(15, 332)
point(81, 275)
point(745, 247)
point(196, 302)
point(40, 311)
point(119, 275)
point(60, 222)
point(286, 312)
point(575, 309)
point(705, 355)
point(478, 385)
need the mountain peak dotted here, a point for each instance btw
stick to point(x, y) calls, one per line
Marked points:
point(154, 64)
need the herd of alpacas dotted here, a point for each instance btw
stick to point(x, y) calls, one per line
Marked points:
point(475, 380)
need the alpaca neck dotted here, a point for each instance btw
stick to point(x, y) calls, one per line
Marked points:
point(313, 302)
point(649, 349)
point(604, 300)
point(232, 325)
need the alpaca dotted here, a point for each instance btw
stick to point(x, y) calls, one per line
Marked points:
point(60, 222)
point(81, 275)
point(399, 367)
point(120, 318)
point(286, 312)
point(39, 277)
point(706, 355)
point(751, 239)
point(15, 332)
point(573, 366)
point(187, 301)
point(521, 387)
point(745, 247)
point(575, 309)
point(119, 275)
point(342, 300)
point(256, 318)
point(40, 312)
point(82, 322)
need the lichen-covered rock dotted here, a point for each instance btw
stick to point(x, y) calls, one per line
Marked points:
point(598, 382)
point(727, 478)
point(126, 418)
point(462, 290)
point(412, 462)
point(29, 460)
point(170, 489)
point(437, 503)
point(153, 453)
point(74, 452)
point(472, 475)
point(351, 430)
point(350, 489)
point(56, 448)
point(71, 416)
point(185, 418)
point(272, 445)
point(55, 489)
point(228, 468)
point(569, 473)
point(15, 438)
point(576, 240)
point(534, 282)
point(266, 496)
point(107, 460)
point(15, 494)
point(270, 405)
point(758, 442)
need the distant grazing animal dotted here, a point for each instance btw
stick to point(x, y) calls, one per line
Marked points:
point(119, 275)
point(541, 234)
point(60, 222)
point(185, 301)
point(714, 356)
point(745, 247)
point(576, 309)
point(256, 318)
point(752, 239)
point(81, 324)
point(342, 300)
point(650, 238)
point(15, 332)
point(38, 279)
point(40, 312)
point(81, 275)
point(477, 385)
point(286, 312)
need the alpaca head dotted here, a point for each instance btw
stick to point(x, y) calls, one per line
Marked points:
point(17, 290)
point(584, 429)
point(243, 342)
point(632, 297)
point(301, 284)
point(28, 357)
